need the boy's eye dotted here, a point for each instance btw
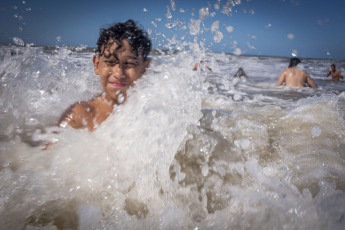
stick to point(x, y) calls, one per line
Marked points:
point(131, 64)
point(111, 63)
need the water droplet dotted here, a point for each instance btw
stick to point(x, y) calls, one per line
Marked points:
point(173, 5)
point(218, 37)
point(294, 53)
point(58, 38)
point(237, 96)
point(18, 41)
point(172, 24)
point(145, 10)
point(291, 36)
point(215, 26)
point(315, 131)
point(250, 46)
point(229, 29)
point(237, 2)
point(168, 14)
point(227, 11)
point(203, 13)
point(204, 170)
point(245, 144)
point(120, 98)
point(154, 24)
point(237, 51)
point(216, 6)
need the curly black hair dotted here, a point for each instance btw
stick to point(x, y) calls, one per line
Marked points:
point(137, 38)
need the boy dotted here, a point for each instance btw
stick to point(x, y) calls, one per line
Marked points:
point(121, 58)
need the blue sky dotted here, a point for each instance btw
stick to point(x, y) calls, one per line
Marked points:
point(305, 28)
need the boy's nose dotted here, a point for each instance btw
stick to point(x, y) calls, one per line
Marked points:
point(118, 72)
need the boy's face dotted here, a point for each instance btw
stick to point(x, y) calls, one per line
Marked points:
point(118, 70)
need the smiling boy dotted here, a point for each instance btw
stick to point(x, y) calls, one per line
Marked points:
point(121, 58)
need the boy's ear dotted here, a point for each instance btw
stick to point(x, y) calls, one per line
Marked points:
point(95, 61)
point(146, 64)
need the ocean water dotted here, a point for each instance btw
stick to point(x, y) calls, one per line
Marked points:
point(187, 150)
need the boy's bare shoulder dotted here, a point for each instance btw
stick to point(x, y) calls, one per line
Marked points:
point(78, 114)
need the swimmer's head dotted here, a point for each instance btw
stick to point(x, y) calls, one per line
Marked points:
point(333, 66)
point(294, 62)
point(137, 38)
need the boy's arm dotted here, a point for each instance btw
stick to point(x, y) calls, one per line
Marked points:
point(328, 73)
point(73, 116)
point(281, 79)
point(310, 82)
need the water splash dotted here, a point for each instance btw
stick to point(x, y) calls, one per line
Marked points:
point(194, 26)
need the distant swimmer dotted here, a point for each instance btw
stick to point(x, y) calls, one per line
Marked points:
point(292, 77)
point(335, 73)
point(201, 67)
point(240, 72)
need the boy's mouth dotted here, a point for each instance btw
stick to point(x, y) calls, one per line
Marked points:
point(118, 85)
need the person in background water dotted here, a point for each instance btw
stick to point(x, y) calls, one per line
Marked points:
point(293, 77)
point(121, 58)
point(240, 72)
point(335, 73)
point(201, 66)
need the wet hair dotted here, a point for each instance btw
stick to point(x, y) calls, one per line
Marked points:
point(294, 62)
point(137, 38)
point(333, 65)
